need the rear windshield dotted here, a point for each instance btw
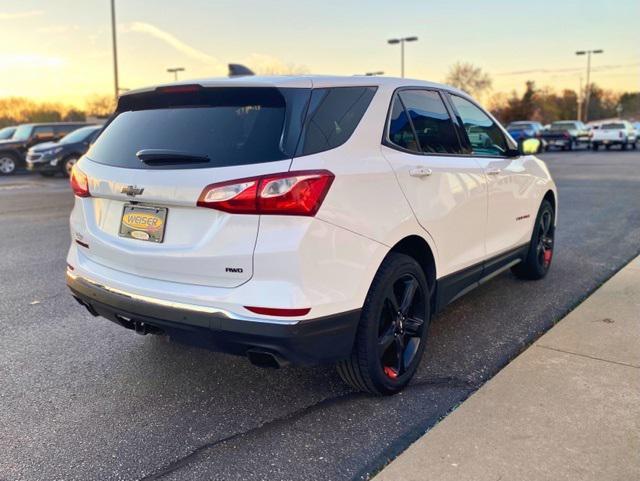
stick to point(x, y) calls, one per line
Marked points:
point(520, 126)
point(228, 126)
point(612, 126)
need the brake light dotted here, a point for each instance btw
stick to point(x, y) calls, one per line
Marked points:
point(289, 193)
point(179, 89)
point(79, 183)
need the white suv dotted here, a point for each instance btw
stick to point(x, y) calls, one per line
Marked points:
point(303, 219)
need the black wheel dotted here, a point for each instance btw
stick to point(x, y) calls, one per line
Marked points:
point(634, 146)
point(572, 145)
point(47, 174)
point(594, 146)
point(623, 146)
point(392, 331)
point(608, 146)
point(67, 165)
point(8, 163)
point(538, 261)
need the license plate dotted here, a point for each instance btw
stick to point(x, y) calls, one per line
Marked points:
point(143, 222)
point(558, 142)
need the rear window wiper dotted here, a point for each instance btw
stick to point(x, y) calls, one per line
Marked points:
point(168, 156)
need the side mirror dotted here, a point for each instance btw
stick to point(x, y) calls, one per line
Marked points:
point(531, 146)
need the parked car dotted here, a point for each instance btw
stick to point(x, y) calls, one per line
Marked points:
point(267, 217)
point(566, 134)
point(50, 158)
point(523, 129)
point(620, 133)
point(7, 132)
point(13, 151)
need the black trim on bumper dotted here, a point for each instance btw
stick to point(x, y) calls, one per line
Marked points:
point(308, 342)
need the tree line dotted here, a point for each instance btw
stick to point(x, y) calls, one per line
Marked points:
point(20, 110)
point(540, 104)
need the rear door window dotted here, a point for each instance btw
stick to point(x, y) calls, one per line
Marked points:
point(400, 130)
point(431, 122)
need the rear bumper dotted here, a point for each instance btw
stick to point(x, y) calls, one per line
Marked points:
point(307, 342)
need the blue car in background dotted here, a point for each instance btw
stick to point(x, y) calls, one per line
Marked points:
point(525, 129)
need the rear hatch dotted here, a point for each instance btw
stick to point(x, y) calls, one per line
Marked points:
point(609, 132)
point(149, 166)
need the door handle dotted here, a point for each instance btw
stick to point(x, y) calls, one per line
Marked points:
point(420, 172)
point(493, 171)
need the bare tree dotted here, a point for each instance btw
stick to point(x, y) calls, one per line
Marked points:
point(469, 78)
point(100, 105)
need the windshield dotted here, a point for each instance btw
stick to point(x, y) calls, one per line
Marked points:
point(22, 133)
point(7, 133)
point(612, 126)
point(79, 135)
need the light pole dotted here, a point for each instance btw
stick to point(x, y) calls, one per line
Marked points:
point(115, 48)
point(587, 88)
point(401, 41)
point(175, 71)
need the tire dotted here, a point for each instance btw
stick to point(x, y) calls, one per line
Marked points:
point(634, 146)
point(8, 163)
point(47, 174)
point(395, 319)
point(594, 146)
point(623, 146)
point(608, 146)
point(571, 145)
point(67, 164)
point(538, 261)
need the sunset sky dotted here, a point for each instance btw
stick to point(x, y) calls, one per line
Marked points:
point(60, 50)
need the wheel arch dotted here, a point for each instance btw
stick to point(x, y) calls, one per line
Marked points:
point(418, 248)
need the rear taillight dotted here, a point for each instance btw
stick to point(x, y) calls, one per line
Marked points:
point(289, 193)
point(79, 183)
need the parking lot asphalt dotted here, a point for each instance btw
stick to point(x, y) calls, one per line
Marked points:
point(83, 399)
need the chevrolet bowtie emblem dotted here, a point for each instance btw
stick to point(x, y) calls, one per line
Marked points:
point(132, 190)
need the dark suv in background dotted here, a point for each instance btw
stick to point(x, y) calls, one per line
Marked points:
point(13, 151)
point(50, 158)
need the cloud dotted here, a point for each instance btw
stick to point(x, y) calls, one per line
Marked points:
point(33, 61)
point(15, 15)
point(171, 40)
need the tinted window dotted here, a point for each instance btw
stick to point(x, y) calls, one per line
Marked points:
point(45, 130)
point(485, 136)
point(6, 133)
point(230, 126)
point(612, 126)
point(431, 122)
point(400, 130)
point(334, 113)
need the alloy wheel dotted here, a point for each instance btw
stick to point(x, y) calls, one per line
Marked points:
point(401, 325)
point(544, 249)
point(7, 165)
